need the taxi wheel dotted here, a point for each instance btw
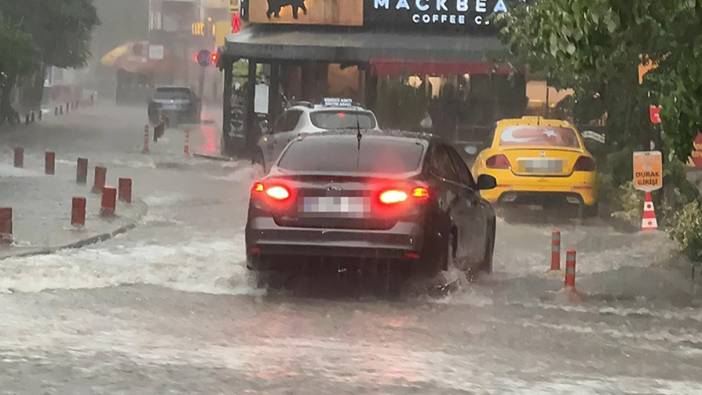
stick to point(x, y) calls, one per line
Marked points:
point(592, 211)
point(585, 211)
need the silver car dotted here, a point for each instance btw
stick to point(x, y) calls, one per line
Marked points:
point(301, 118)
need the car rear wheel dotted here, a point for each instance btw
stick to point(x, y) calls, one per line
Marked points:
point(486, 264)
point(446, 257)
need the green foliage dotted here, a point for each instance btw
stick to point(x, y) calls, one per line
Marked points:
point(686, 229)
point(400, 106)
point(677, 82)
point(60, 29)
point(595, 47)
point(18, 52)
point(628, 204)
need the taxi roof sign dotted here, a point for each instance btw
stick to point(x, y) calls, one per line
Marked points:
point(648, 170)
point(337, 102)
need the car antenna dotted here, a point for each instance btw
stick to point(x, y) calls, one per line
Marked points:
point(359, 136)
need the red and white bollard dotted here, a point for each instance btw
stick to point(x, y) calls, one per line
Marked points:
point(49, 163)
point(109, 201)
point(186, 146)
point(100, 177)
point(648, 219)
point(19, 157)
point(82, 171)
point(570, 269)
point(125, 190)
point(556, 250)
point(78, 211)
point(145, 150)
point(5, 225)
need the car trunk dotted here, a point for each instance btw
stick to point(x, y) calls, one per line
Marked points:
point(344, 202)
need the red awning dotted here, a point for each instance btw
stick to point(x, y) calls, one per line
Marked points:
point(395, 67)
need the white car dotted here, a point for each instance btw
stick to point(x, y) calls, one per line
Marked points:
point(334, 114)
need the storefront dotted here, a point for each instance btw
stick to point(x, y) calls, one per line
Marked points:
point(308, 49)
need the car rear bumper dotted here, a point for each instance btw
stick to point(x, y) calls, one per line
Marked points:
point(265, 237)
point(516, 189)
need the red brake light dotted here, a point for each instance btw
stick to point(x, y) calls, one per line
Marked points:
point(393, 196)
point(585, 163)
point(497, 162)
point(275, 192)
point(278, 192)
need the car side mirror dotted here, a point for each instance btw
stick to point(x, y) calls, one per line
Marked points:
point(486, 182)
point(470, 150)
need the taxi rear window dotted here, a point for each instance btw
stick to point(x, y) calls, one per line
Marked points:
point(334, 120)
point(539, 136)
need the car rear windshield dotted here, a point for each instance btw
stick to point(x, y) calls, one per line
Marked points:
point(172, 93)
point(341, 154)
point(539, 136)
point(331, 120)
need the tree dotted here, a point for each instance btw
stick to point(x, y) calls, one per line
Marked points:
point(596, 46)
point(18, 59)
point(60, 31)
point(677, 81)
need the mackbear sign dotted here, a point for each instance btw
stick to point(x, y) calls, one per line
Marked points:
point(462, 14)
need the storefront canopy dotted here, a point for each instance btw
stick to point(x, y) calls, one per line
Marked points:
point(133, 57)
point(339, 45)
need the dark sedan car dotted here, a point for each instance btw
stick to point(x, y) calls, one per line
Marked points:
point(178, 104)
point(408, 199)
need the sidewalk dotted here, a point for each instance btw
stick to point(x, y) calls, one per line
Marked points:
point(41, 207)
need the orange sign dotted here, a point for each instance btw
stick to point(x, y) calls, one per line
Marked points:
point(648, 170)
point(696, 155)
point(307, 12)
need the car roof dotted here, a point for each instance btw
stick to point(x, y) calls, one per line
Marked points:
point(173, 88)
point(309, 107)
point(534, 121)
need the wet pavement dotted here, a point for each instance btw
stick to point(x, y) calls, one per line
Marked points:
point(170, 307)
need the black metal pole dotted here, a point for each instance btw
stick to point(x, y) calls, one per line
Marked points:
point(250, 106)
point(227, 106)
point(274, 93)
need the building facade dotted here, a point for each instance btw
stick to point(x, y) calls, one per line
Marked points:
point(309, 49)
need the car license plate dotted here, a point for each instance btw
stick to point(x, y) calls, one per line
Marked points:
point(335, 205)
point(541, 166)
point(170, 106)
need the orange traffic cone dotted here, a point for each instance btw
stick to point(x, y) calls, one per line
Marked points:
point(648, 221)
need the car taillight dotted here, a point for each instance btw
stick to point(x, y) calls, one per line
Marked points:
point(400, 195)
point(420, 193)
point(497, 162)
point(393, 196)
point(585, 163)
point(276, 192)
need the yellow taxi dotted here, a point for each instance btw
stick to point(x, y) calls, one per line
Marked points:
point(538, 161)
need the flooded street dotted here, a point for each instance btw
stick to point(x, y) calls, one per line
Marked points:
point(169, 306)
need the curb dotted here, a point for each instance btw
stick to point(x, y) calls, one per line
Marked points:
point(215, 157)
point(141, 212)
